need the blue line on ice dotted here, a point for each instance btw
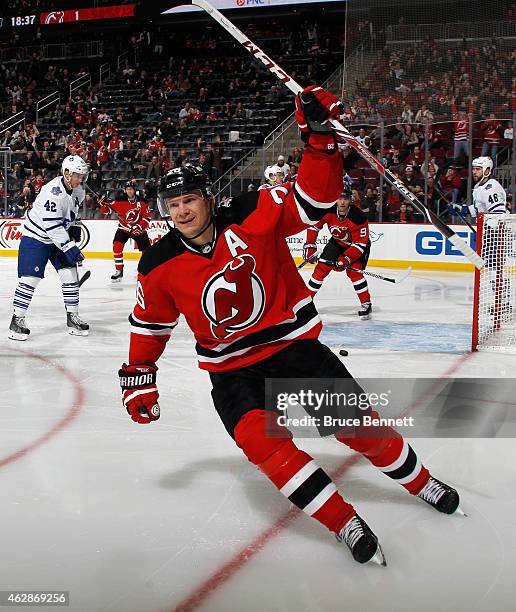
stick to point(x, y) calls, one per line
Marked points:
point(396, 336)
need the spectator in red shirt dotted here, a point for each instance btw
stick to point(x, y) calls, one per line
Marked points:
point(461, 136)
point(492, 129)
point(111, 130)
point(38, 183)
point(212, 115)
point(115, 146)
point(451, 184)
point(157, 146)
point(102, 150)
point(437, 136)
point(404, 215)
point(416, 158)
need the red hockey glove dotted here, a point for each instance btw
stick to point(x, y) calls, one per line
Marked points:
point(103, 205)
point(314, 106)
point(137, 229)
point(343, 262)
point(309, 250)
point(338, 266)
point(139, 392)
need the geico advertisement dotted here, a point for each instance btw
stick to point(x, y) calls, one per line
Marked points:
point(390, 242)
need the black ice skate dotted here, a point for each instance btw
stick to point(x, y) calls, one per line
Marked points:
point(117, 276)
point(365, 311)
point(76, 326)
point(18, 329)
point(441, 496)
point(361, 541)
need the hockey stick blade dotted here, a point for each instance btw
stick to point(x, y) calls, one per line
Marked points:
point(344, 134)
point(307, 261)
point(404, 276)
point(84, 278)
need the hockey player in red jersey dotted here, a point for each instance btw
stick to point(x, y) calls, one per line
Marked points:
point(230, 273)
point(133, 220)
point(349, 245)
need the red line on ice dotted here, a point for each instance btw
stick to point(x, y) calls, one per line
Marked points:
point(237, 562)
point(76, 407)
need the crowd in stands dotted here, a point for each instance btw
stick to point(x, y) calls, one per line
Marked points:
point(436, 103)
point(163, 108)
point(160, 109)
point(425, 81)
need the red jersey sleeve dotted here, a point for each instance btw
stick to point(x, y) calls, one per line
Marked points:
point(146, 216)
point(318, 186)
point(152, 321)
point(313, 231)
point(118, 206)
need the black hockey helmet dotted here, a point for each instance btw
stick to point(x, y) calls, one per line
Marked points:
point(130, 184)
point(346, 192)
point(182, 180)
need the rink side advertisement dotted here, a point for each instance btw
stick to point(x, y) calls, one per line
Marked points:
point(393, 245)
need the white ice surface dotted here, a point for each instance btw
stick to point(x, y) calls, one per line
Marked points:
point(133, 518)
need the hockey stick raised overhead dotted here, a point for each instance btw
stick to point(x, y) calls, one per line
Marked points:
point(342, 132)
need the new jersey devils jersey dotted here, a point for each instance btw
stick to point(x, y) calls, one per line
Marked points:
point(242, 296)
point(133, 217)
point(351, 232)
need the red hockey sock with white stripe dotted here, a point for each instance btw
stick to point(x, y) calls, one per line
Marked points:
point(118, 255)
point(293, 471)
point(319, 274)
point(392, 454)
point(359, 285)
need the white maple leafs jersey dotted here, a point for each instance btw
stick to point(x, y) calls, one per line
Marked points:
point(54, 211)
point(490, 197)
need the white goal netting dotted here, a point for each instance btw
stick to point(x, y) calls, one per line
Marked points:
point(494, 321)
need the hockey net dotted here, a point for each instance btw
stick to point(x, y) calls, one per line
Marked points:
point(494, 305)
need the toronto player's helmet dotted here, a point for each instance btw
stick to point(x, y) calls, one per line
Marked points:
point(275, 169)
point(486, 163)
point(75, 163)
point(179, 181)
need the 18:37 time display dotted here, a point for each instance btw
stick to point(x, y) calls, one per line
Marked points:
point(23, 20)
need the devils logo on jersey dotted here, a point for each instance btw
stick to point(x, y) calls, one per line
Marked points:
point(339, 232)
point(234, 298)
point(133, 215)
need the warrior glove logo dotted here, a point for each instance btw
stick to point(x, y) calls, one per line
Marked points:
point(234, 298)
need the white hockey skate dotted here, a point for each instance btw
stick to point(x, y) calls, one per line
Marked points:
point(365, 311)
point(117, 276)
point(76, 326)
point(361, 541)
point(18, 329)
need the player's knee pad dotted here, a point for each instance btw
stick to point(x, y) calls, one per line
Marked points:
point(374, 442)
point(264, 443)
point(68, 275)
point(353, 275)
point(118, 247)
point(31, 281)
point(321, 271)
